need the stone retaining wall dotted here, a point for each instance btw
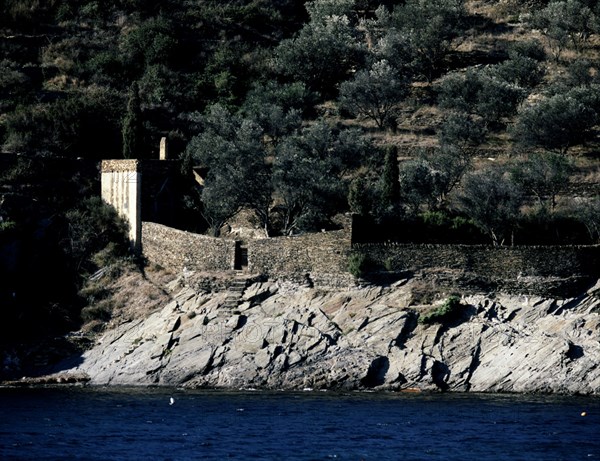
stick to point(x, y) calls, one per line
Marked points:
point(176, 250)
point(501, 262)
point(320, 257)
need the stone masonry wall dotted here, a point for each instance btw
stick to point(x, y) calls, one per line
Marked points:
point(176, 249)
point(501, 262)
point(542, 270)
point(322, 257)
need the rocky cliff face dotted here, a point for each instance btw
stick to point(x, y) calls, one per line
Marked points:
point(286, 336)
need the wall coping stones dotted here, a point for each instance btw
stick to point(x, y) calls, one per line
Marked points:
point(113, 166)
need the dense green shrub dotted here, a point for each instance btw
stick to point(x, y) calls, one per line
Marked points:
point(358, 264)
point(449, 311)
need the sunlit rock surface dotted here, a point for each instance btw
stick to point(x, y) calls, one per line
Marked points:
point(288, 336)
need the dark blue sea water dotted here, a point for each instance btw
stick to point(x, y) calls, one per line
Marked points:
point(129, 424)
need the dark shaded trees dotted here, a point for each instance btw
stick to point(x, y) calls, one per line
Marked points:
point(493, 202)
point(82, 124)
point(556, 123)
point(390, 189)
point(544, 176)
point(375, 94)
point(230, 147)
point(324, 50)
point(132, 124)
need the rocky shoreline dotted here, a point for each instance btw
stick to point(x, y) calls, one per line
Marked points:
point(283, 335)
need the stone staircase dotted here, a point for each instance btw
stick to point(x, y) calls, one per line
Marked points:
point(235, 291)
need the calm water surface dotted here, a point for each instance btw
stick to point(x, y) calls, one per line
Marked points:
point(129, 424)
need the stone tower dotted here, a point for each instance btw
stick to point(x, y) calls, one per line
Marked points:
point(121, 183)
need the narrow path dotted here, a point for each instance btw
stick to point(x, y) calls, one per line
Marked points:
point(235, 291)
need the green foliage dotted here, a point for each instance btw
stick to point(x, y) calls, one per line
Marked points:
point(7, 226)
point(532, 49)
point(461, 130)
point(543, 175)
point(301, 186)
point(565, 22)
point(100, 311)
point(358, 197)
point(94, 226)
point(588, 212)
point(428, 179)
point(481, 93)
point(375, 94)
point(418, 184)
point(580, 73)
point(423, 32)
point(261, 73)
point(449, 311)
point(493, 202)
point(523, 71)
point(132, 124)
point(305, 192)
point(227, 75)
point(390, 190)
point(151, 42)
point(557, 122)
point(358, 264)
point(308, 172)
point(84, 124)
point(14, 85)
point(322, 53)
point(277, 108)
point(231, 148)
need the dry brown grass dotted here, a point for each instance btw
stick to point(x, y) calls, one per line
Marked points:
point(124, 295)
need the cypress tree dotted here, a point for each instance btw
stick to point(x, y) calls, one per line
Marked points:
point(132, 124)
point(357, 197)
point(390, 193)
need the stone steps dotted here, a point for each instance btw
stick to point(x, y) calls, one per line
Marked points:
point(235, 291)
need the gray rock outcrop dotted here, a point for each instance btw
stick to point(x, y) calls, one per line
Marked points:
point(288, 336)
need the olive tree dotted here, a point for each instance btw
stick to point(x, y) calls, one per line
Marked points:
point(232, 150)
point(493, 202)
point(375, 94)
point(322, 52)
point(480, 93)
point(556, 123)
point(544, 175)
point(426, 29)
point(308, 174)
point(564, 22)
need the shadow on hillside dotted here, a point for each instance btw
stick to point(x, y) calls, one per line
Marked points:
point(47, 357)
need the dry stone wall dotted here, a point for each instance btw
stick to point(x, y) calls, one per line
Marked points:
point(320, 257)
point(176, 249)
point(502, 262)
point(524, 268)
